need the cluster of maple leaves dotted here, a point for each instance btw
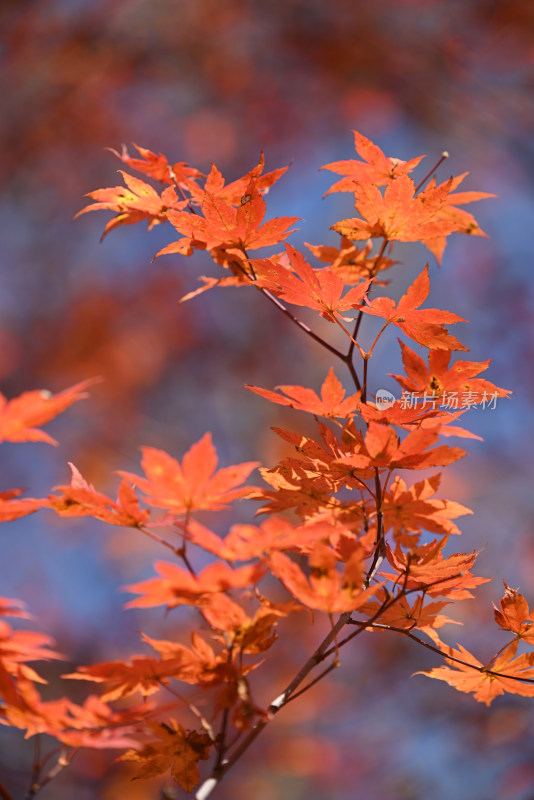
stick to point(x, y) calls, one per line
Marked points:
point(343, 532)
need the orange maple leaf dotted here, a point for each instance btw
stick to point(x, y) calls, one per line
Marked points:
point(320, 289)
point(157, 167)
point(326, 588)
point(440, 380)
point(331, 403)
point(481, 680)
point(401, 614)
point(514, 615)
point(16, 649)
point(21, 416)
point(133, 203)
point(352, 264)
point(407, 414)
point(80, 499)
point(423, 325)
point(172, 748)
point(234, 192)
point(222, 225)
point(144, 675)
point(399, 214)
point(409, 510)
point(176, 586)
point(384, 449)
point(11, 607)
point(427, 568)
point(375, 167)
point(11, 508)
point(245, 542)
point(192, 485)
point(93, 724)
point(452, 215)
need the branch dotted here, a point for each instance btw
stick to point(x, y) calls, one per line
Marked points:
point(279, 702)
point(4, 794)
point(405, 632)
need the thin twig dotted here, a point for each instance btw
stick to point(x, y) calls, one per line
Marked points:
point(441, 159)
point(380, 547)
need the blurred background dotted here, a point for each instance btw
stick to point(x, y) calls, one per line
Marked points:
point(203, 81)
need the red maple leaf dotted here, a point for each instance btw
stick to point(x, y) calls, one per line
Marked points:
point(440, 380)
point(481, 680)
point(326, 588)
point(176, 586)
point(407, 510)
point(157, 167)
point(331, 403)
point(192, 485)
point(12, 508)
point(171, 748)
point(234, 192)
point(136, 202)
point(376, 168)
point(321, 289)
point(423, 325)
point(514, 615)
point(80, 499)
point(222, 225)
point(20, 417)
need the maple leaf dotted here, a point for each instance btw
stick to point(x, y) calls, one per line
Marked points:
point(423, 325)
point(11, 607)
point(351, 263)
point(245, 542)
point(235, 191)
point(399, 214)
point(440, 380)
point(326, 588)
point(136, 202)
point(426, 567)
point(409, 510)
point(11, 508)
point(210, 283)
point(144, 674)
point(332, 402)
point(244, 634)
point(463, 221)
point(383, 449)
point(19, 647)
point(81, 499)
point(294, 487)
point(222, 225)
point(93, 724)
point(192, 485)
point(514, 615)
point(401, 614)
point(411, 416)
point(176, 586)
point(376, 168)
point(475, 678)
point(320, 290)
point(21, 416)
point(157, 167)
point(172, 748)
point(199, 664)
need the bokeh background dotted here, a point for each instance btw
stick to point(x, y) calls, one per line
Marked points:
point(221, 80)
